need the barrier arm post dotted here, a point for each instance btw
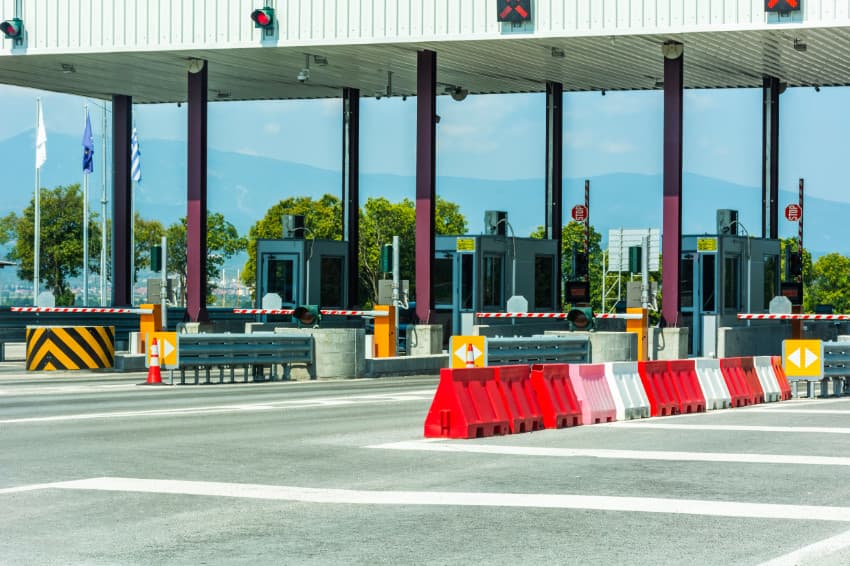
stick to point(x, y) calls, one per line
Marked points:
point(796, 325)
point(639, 326)
point(385, 332)
point(150, 321)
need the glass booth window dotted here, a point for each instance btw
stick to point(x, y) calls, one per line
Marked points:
point(771, 277)
point(544, 282)
point(281, 279)
point(494, 295)
point(686, 282)
point(731, 283)
point(466, 269)
point(442, 277)
point(330, 292)
point(709, 298)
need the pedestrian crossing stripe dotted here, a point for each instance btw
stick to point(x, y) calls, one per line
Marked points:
point(51, 348)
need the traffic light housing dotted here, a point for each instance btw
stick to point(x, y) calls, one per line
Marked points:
point(263, 18)
point(156, 259)
point(386, 258)
point(12, 29)
point(580, 265)
point(793, 263)
point(581, 318)
point(307, 316)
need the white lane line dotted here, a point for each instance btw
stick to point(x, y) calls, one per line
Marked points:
point(467, 448)
point(636, 425)
point(813, 553)
point(803, 411)
point(800, 403)
point(322, 402)
point(22, 488)
point(463, 499)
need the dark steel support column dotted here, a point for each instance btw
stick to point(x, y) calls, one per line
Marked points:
point(426, 158)
point(196, 213)
point(351, 188)
point(672, 223)
point(770, 158)
point(122, 129)
point(555, 173)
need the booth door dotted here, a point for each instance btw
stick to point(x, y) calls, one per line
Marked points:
point(280, 275)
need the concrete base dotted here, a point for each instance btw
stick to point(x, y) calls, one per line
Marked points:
point(424, 340)
point(340, 352)
point(406, 365)
point(668, 343)
point(606, 346)
point(195, 327)
point(128, 362)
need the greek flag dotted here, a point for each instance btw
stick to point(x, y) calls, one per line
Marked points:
point(135, 157)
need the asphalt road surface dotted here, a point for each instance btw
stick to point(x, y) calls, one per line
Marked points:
point(95, 469)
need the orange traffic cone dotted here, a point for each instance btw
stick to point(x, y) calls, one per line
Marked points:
point(470, 356)
point(154, 376)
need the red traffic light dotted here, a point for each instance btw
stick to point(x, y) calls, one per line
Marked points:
point(263, 17)
point(12, 28)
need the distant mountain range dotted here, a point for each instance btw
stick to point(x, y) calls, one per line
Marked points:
point(243, 187)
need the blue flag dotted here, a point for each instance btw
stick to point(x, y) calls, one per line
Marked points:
point(135, 157)
point(88, 148)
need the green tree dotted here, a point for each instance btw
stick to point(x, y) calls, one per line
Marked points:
point(322, 219)
point(146, 234)
point(572, 237)
point(223, 242)
point(829, 283)
point(61, 237)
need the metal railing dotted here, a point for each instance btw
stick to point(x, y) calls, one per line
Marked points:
point(538, 349)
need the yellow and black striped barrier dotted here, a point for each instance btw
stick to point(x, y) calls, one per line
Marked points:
point(70, 347)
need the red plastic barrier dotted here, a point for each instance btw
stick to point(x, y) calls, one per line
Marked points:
point(594, 395)
point(467, 404)
point(518, 397)
point(779, 371)
point(733, 374)
point(748, 368)
point(684, 376)
point(555, 394)
point(657, 382)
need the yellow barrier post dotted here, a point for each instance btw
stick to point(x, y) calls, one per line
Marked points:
point(148, 324)
point(641, 328)
point(385, 333)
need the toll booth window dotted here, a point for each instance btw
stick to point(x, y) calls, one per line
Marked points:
point(466, 287)
point(330, 292)
point(686, 282)
point(731, 283)
point(494, 294)
point(709, 296)
point(544, 279)
point(771, 278)
point(442, 278)
point(281, 279)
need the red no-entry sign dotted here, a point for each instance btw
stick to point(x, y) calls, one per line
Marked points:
point(579, 213)
point(793, 212)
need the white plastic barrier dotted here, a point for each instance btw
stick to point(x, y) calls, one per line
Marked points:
point(627, 390)
point(713, 385)
point(767, 378)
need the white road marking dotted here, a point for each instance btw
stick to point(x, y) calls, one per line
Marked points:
point(462, 499)
point(637, 425)
point(419, 395)
point(617, 454)
point(26, 390)
point(813, 553)
point(803, 411)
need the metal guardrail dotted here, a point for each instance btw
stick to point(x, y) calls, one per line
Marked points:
point(252, 352)
point(538, 349)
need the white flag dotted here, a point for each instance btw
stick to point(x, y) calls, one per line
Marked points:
point(40, 141)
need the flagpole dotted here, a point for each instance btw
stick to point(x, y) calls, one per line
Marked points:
point(103, 217)
point(36, 270)
point(85, 224)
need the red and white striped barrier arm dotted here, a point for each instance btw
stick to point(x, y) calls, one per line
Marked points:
point(553, 315)
point(794, 316)
point(88, 310)
point(324, 312)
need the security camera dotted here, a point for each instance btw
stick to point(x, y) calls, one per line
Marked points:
point(459, 94)
point(304, 75)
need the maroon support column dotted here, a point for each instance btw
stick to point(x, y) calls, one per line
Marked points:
point(555, 173)
point(426, 157)
point(770, 158)
point(351, 188)
point(122, 126)
point(196, 213)
point(672, 223)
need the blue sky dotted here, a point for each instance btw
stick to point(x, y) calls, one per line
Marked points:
point(499, 136)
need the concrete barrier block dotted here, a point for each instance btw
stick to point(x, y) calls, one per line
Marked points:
point(340, 352)
point(606, 346)
point(424, 339)
point(668, 343)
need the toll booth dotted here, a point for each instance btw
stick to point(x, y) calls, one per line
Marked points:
point(723, 275)
point(480, 273)
point(303, 272)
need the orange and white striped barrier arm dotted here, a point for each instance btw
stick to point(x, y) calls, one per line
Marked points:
point(553, 315)
point(86, 310)
point(794, 316)
point(327, 312)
